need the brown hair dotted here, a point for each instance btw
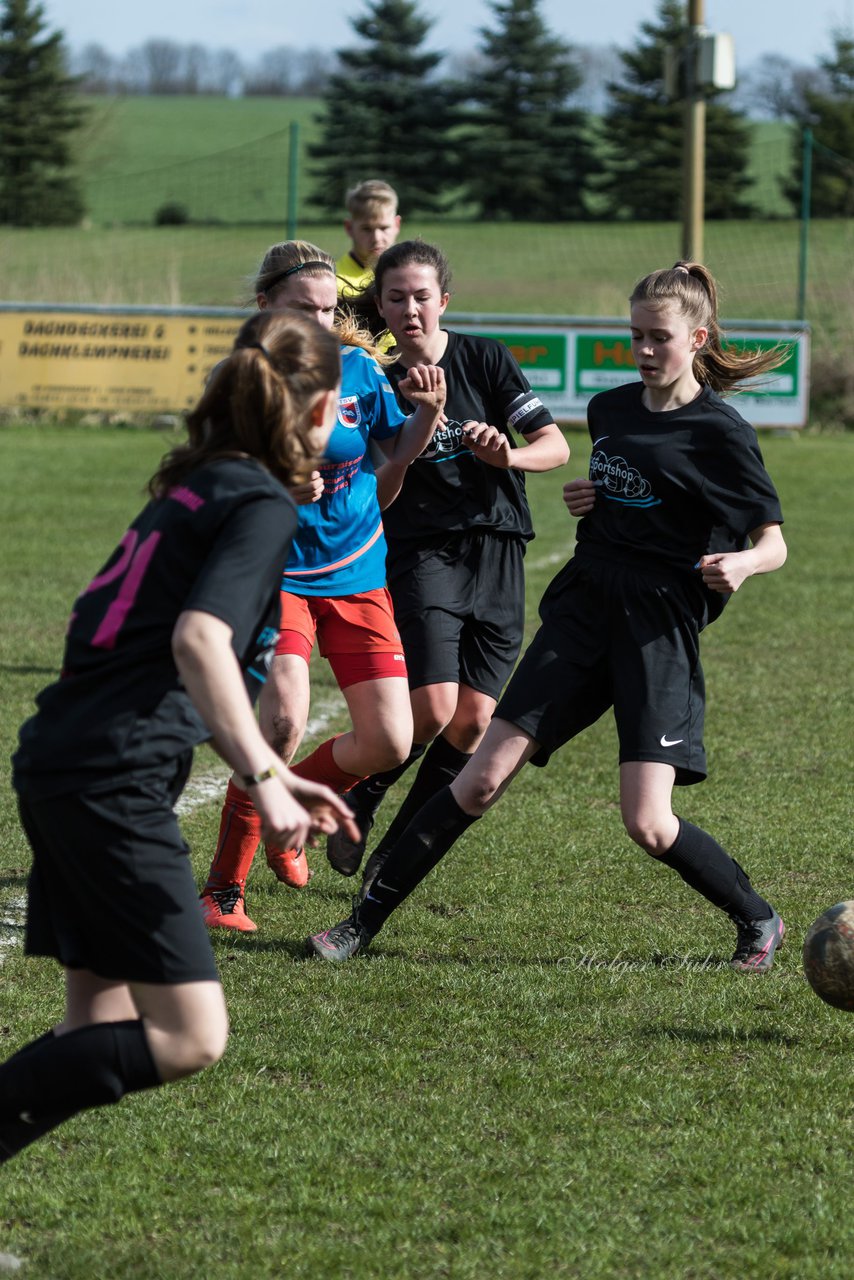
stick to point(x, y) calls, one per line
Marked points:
point(259, 401)
point(413, 251)
point(691, 289)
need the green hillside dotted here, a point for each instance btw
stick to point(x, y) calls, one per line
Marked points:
point(227, 159)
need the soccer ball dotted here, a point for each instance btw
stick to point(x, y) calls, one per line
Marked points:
point(829, 956)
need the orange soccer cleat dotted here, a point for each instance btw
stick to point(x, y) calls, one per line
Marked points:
point(289, 865)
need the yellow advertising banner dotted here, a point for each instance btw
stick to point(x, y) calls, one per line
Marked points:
point(133, 360)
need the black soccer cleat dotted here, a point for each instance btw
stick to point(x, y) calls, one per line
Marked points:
point(342, 941)
point(345, 855)
point(758, 940)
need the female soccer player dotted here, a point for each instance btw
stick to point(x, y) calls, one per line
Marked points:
point(676, 492)
point(456, 536)
point(333, 587)
point(163, 648)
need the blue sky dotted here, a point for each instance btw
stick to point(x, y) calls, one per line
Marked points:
point(790, 27)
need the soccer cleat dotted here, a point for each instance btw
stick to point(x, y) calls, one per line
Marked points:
point(226, 909)
point(345, 855)
point(289, 865)
point(757, 942)
point(342, 941)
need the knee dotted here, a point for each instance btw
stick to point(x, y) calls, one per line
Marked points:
point(467, 733)
point(649, 834)
point(476, 790)
point(189, 1049)
point(284, 736)
point(429, 723)
point(195, 1051)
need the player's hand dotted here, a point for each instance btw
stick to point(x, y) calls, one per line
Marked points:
point(293, 812)
point(488, 444)
point(726, 570)
point(579, 496)
point(310, 491)
point(284, 821)
point(327, 811)
point(424, 384)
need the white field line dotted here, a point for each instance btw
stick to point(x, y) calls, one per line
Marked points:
point(12, 924)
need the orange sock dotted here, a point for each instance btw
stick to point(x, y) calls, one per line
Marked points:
point(239, 837)
point(320, 766)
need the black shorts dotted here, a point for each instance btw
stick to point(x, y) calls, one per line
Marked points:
point(111, 887)
point(615, 636)
point(460, 610)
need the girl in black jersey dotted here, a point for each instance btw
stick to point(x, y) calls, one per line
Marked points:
point(456, 536)
point(677, 512)
point(164, 648)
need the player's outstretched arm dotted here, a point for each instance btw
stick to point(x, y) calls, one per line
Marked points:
point(543, 450)
point(423, 386)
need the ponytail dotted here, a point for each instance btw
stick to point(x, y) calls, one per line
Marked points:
point(691, 288)
point(260, 400)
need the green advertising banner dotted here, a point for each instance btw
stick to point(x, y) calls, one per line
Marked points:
point(151, 359)
point(568, 360)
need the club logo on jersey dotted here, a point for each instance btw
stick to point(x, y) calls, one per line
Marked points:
point(349, 411)
point(621, 482)
point(446, 443)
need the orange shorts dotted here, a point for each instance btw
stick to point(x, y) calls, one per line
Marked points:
point(356, 634)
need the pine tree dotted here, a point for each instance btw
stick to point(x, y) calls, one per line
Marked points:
point(644, 132)
point(385, 115)
point(526, 153)
point(38, 114)
point(830, 115)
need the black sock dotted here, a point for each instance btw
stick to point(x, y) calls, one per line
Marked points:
point(429, 836)
point(53, 1078)
point(706, 867)
point(438, 769)
point(367, 795)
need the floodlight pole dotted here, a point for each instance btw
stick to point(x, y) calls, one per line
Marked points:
point(694, 149)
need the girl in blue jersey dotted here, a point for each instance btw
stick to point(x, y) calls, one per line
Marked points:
point(164, 649)
point(677, 513)
point(333, 588)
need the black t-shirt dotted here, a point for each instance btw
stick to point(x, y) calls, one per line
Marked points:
point(216, 543)
point(674, 486)
point(447, 490)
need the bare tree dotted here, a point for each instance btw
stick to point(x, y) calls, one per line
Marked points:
point(275, 73)
point(775, 88)
point(162, 65)
point(96, 68)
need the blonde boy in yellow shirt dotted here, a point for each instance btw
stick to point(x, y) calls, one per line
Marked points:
point(372, 225)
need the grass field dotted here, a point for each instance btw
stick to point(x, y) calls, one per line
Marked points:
point(544, 1067)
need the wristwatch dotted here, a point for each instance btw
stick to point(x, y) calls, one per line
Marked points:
point(252, 779)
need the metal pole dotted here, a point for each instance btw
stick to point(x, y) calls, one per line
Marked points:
point(694, 149)
point(293, 178)
point(806, 202)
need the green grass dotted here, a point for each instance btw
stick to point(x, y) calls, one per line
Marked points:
point(224, 159)
point(544, 1067)
point(228, 158)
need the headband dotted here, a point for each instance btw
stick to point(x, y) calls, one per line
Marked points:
point(300, 266)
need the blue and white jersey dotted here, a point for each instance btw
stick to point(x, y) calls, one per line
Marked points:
point(339, 548)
